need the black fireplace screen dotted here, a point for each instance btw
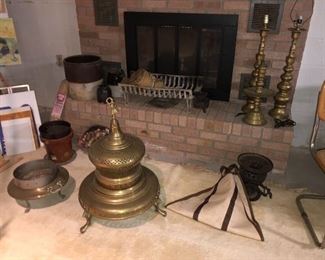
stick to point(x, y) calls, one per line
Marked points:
point(184, 44)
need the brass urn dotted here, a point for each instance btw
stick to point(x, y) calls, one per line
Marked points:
point(120, 187)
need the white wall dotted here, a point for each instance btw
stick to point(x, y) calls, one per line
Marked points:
point(44, 29)
point(311, 77)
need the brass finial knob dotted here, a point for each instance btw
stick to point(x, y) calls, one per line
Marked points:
point(110, 102)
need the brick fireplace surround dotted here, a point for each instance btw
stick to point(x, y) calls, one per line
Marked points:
point(172, 134)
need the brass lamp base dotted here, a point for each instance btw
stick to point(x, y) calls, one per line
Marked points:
point(101, 202)
point(279, 113)
point(255, 118)
point(249, 106)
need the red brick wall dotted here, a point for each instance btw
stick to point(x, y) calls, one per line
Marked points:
point(108, 41)
point(174, 135)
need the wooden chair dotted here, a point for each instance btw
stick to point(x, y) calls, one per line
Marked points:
point(319, 157)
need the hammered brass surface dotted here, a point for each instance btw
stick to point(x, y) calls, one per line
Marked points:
point(123, 182)
point(32, 194)
point(112, 160)
point(116, 151)
point(119, 206)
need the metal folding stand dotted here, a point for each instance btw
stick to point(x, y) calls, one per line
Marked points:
point(320, 244)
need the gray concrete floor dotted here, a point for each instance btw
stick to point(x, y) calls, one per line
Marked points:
point(303, 172)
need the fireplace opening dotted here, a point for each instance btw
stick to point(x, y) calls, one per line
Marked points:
point(184, 44)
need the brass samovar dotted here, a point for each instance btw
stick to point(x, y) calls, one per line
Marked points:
point(120, 187)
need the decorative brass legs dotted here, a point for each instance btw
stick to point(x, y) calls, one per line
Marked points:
point(158, 208)
point(28, 207)
point(61, 195)
point(88, 218)
point(282, 98)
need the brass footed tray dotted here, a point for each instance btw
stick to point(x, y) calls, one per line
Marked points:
point(37, 186)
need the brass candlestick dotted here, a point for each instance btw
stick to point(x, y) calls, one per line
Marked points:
point(282, 97)
point(260, 58)
point(255, 116)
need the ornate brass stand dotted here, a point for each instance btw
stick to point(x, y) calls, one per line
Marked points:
point(255, 116)
point(282, 97)
point(120, 187)
point(260, 58)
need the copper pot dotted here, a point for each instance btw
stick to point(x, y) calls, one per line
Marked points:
point(57, 137)
point(59, 150)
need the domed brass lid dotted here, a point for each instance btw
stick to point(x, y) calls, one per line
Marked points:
point(116, 150)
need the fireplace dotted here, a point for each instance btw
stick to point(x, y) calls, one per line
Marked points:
point(184, 44)
point(173, 134)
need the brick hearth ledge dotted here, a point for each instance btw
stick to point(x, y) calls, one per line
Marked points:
point(213, 138)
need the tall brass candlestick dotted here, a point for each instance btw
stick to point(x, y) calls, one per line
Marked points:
point(260, 58)
point(282, 97)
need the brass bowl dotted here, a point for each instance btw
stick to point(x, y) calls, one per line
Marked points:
point(37, 179)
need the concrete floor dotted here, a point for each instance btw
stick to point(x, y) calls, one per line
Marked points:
point(303, 172)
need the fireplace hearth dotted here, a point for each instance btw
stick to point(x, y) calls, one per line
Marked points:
point(172, 134)
point(184, 44)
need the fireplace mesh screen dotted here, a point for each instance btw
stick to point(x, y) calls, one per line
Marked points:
point(184, 44)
